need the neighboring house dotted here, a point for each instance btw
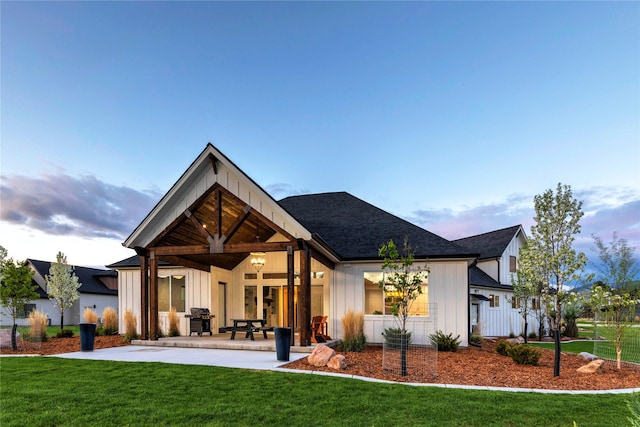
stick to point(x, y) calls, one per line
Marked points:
point(218, 240)
point(99, 290)
point(493, 310)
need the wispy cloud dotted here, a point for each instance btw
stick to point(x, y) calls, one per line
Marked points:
point(281, 190)
point(60, 204)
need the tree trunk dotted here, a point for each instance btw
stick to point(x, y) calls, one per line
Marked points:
point(14, 338)
point(403, 353)
point(526, 326)
point(62, 320)
point(556, 359)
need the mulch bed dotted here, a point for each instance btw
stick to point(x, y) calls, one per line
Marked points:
point(63, 345)
point(484, 367)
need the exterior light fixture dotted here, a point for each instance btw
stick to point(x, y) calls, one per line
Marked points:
point(257, 260)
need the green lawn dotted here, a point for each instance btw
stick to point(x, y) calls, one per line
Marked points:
point(39, 391)
point(604, 349)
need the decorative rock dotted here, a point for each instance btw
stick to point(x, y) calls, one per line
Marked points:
point(516, 340)
point(591, 368)
point(5, 338)
point(337, 362)
point(587, 357)
point(320, 355)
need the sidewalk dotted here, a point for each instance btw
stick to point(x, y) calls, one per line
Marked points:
point(263, 360)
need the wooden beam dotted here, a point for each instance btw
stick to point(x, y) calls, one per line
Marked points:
point(144, 295)
point(257, 247)
point(214, 163)
point(304, 298)
point(324, 260)
point(153, 297)
point(182, 250)
point(291, 319)
point(201, 228)
point(237, 223)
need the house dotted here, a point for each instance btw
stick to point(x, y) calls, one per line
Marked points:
point(98, 290)
point(218, 240)
point(493, 310)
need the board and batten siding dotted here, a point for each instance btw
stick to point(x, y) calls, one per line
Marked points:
point(513, 249)
point(504, 320)
point(197, 294)
point(448, 296)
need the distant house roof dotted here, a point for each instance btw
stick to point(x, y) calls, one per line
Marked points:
point(355, 229)
point(88, 277)
point(480, 279)
point(492, 244)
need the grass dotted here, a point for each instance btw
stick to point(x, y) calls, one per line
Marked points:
point(51, 330)
point(629, 353)
point(39, 391)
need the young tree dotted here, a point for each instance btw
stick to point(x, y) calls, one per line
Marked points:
point(619, 269)
point(526, 284)
point(403, 283)
point(556, 225)
point(16, 289)
point(62, 285)
point(619, 310)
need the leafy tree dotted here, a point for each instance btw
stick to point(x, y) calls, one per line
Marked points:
point(526, 284)
point(16, 290)
point(556, 225)
point(619, 269)
point(402, 283)
point(596, 302)
point(619, 310)
point(62, 285)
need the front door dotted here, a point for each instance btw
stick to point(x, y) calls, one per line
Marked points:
point(475, 314)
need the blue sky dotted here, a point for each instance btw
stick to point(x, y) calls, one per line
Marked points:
point(453, 115)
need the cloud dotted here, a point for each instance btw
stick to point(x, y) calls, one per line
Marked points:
point(60, 204)
point(605, 210)
point(281, 190)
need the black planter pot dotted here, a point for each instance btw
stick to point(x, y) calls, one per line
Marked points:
point(87, 336)
point(283, 343)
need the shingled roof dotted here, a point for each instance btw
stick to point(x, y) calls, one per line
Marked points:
point(355, 229)
point(490, 245)
point(88, 277)
point(479, 278)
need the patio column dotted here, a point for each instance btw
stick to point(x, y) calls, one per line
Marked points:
point(305, 296)
point(144, 296)
point(291, 319)
point(153, 297)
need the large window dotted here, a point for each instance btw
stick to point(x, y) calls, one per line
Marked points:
point(171, 293)
point(376, 300)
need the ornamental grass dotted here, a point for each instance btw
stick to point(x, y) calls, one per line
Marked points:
point(174, 323)
point(353, 327)
point(130, 326)
point(110, 321)
point(89, 315)
point(37, 326)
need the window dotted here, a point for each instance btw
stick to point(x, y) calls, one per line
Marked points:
point(171, 290)
point(377, 301)
point(494, 300)
point(515, 302)
point(513, 264)
point(535, 304)
point(26, 310)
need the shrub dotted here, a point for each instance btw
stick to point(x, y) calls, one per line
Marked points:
point(533, 335)
point(110, 321)
point(353, 327)
point(524, 354)
point(64, 333)
point(37, 326)
point(100, 331)
point(445, 342)
point(503, 347)
point(130, 326)
point(475, 339)
point(89, 315)
point(392, 338)
point(174, 323)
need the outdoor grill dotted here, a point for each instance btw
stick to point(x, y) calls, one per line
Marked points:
point(199, 321)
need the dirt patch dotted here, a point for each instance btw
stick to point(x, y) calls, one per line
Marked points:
point(64, 345)
point(484, 367)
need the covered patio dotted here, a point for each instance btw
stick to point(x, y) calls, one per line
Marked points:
point(216, 218)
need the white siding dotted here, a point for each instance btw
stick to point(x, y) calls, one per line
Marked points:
point(500, 321)
point(491, 267)
point(447, 299)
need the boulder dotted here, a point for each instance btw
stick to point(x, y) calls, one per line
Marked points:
point(591, 367)
point(516, 340)
point(587, 357)
point(320, 355)
point(5, 338)
point(337, 362)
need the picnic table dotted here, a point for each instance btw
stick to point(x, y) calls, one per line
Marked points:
point(249, 326)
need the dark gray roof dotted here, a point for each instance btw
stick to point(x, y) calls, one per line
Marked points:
point(480, 279)
point(490, 245)
point(88, 277)
point(133, 261)
point(355, 229)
